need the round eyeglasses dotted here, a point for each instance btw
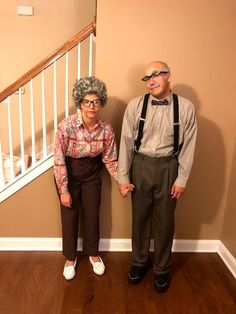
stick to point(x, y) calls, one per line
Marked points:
point(88, 103)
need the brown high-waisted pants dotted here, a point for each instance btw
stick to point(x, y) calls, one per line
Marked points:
point(84, 185)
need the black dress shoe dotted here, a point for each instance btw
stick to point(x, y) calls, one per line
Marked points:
point(162, 282)
point(136, 274)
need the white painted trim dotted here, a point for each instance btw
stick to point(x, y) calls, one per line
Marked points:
point(30, 244)
point(29, 175)
point(110, 245)
point(120, 245)
point(115, 245)
point(227, 258)
point(210, 246)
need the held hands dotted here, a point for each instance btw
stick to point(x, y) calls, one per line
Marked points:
point(66, 199)
point(125, 188)
point(177, 191)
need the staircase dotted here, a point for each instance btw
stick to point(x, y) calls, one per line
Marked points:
point(32, 107)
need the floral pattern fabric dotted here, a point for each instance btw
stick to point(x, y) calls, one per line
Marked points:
point(74, 140)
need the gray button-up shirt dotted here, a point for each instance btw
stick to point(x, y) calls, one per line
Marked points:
point(158, 135)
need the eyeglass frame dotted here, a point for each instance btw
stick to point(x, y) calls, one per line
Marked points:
point(93, 102)
point(154, 74)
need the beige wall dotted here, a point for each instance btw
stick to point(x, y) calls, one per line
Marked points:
point(228, 236)
point(26, 40)
point(196, 39)
point(32, 211)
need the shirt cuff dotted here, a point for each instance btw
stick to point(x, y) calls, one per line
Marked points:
point(115, 177)
point(180, 182)
point(123, 179)
point(63, 190)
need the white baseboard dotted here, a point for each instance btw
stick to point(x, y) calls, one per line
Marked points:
point(227, 258)
point(110, 245)
point(30, 244)
point(195, 246)
point(120, 245)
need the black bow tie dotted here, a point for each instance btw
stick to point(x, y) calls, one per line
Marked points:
point(163, 102)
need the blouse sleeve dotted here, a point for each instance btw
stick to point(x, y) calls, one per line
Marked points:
point(60, 147)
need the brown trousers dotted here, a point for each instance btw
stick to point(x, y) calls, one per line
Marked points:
point(153, 210)
point(84, 185)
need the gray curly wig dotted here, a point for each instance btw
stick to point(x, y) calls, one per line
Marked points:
point(89, 85)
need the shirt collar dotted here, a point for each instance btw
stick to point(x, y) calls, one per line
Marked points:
point(79, 120)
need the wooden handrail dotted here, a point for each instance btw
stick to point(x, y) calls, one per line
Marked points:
point(90, 29)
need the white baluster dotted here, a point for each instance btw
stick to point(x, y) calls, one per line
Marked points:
point(44, 117)
point(79, 62)
point(67, 86)
point(32, 122)
point(10, 138)
point(55, 95)
point(1, 166)
point(22, 148)
point(90, 54)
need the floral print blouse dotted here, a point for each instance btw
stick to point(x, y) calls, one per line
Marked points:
point(74, 140)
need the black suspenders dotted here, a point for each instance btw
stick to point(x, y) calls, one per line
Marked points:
point(143, 118)
point(141, 123)
point(176, 124)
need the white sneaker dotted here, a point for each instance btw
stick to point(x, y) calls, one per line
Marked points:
point(69, 271)
point(98, 267)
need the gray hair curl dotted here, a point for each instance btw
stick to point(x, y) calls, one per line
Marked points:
point(89, 85)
